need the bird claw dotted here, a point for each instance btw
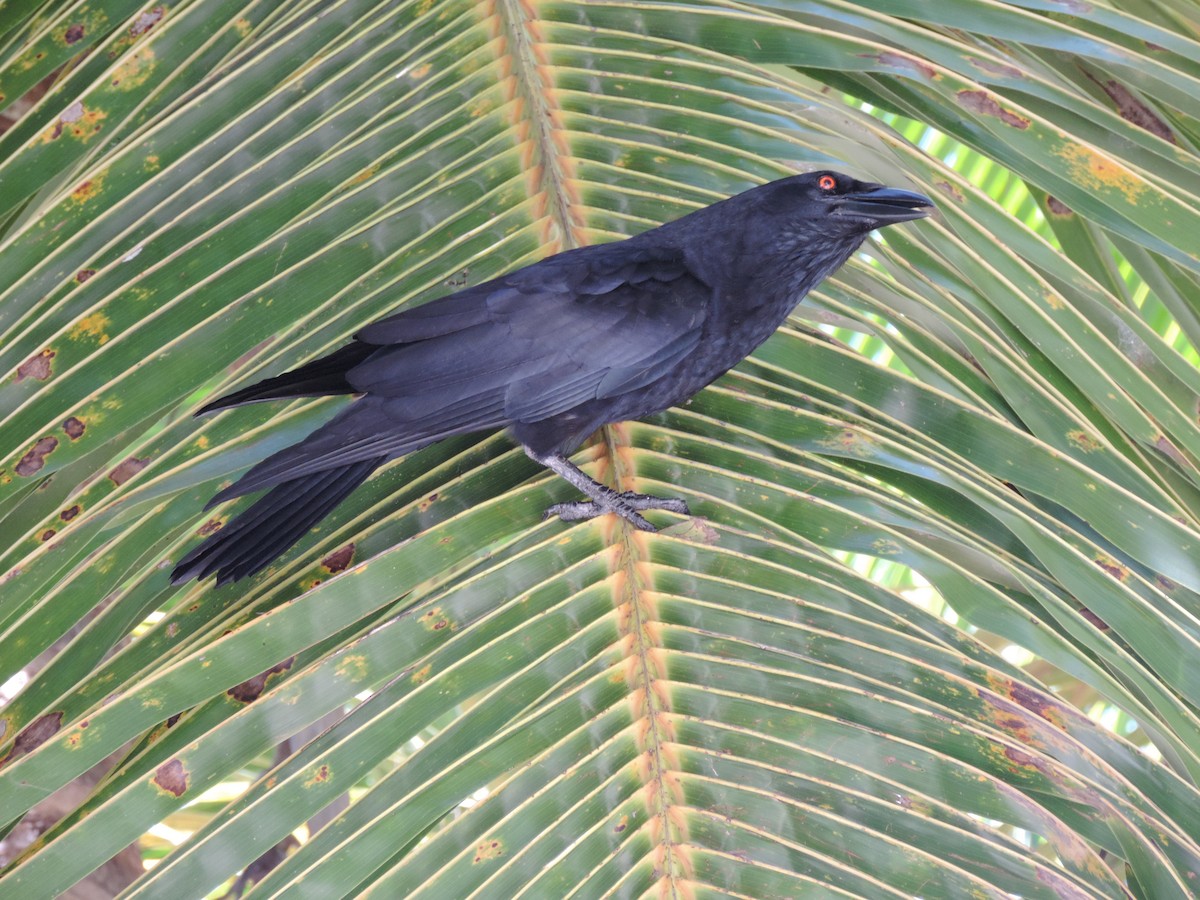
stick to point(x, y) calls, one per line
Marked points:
point(627, 505)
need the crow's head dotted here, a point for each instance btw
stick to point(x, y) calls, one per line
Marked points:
point(836, 204)
point(811, 224)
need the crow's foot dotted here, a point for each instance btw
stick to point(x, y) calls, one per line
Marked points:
point(627, 505)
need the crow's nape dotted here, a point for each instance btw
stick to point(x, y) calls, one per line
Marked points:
point(279, 519)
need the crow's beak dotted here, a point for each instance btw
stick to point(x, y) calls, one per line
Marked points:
point(883, 205)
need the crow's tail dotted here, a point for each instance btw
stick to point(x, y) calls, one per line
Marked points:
point(319, 378)
point(279, 519)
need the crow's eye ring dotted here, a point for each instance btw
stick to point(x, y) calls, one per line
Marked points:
point(827, 182)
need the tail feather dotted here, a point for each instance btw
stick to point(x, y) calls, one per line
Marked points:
point(266, 525)
point(319, 378)
point(279, 519)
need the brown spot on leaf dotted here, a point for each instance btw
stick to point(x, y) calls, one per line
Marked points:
point(74, 34)
point(73, 427)
point(33, 461)
point(146, 21)
point(1057, 207)
point(985, 104)
point(320, 776)
point(1037, 702)
point(488, 850)
point(950, 190)
point(48, 533)
point(1094, 619)
point(338, 560)
point(35, 734)
point(250, 690)
point(1131, 109)
point(171, 720)
point(171, 777)
point(1084, 441)
point(902, 61)
point(209, 527)
point(127, 469)
point(84, 274)
point(36, 366)
point(86, 190)
point(1168, 449)
point(69, 513)
point(1112, 567)
point(435, 619)
point(78, 121)
point(996, 68)
point(1021, 758)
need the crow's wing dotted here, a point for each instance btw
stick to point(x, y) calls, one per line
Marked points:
point(587, 273)
point(585, 325)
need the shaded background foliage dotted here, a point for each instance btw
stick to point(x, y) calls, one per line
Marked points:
point(932, 629)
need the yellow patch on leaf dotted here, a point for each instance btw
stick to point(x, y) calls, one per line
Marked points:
point(88, 189)
point(320, 776)
point(1093, 171)
point(435, 620)
point(353, 667)
point(1084, 441)
point(77, 121)
point(91, 327)
point(488, 850)
point(135, 70)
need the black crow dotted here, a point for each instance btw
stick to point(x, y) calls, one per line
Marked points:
point(552, 352)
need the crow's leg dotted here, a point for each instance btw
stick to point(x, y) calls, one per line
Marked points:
point(604, 499)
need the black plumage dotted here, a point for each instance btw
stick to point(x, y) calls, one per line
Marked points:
point(553, 351)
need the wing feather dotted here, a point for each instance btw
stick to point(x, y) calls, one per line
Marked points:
point(362, 431)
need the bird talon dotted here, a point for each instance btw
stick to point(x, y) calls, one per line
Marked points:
point(627, 505)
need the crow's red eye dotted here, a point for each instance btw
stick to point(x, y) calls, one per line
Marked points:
point(827, 182)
